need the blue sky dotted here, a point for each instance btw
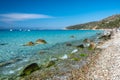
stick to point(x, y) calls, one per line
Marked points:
point(53, 14)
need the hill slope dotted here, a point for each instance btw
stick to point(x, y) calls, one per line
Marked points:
point(107, 23)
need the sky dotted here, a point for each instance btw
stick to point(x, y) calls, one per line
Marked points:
point(53, 14)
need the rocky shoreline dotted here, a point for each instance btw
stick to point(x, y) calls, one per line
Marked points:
point(71, 66)
point(107, 66)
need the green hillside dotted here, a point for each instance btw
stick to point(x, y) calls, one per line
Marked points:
point(107, 23)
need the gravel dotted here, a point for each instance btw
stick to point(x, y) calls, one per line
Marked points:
point(107, 66)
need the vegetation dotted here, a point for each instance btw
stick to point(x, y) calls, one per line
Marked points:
point(107, 23)
point(83, 55)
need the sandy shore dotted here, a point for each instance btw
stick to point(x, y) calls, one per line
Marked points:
point(107, 66)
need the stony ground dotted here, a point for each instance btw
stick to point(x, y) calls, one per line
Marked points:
point(107, 66)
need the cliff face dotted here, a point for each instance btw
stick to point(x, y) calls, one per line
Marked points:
point(107, 23)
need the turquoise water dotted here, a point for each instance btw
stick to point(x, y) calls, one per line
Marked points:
point(11, 46)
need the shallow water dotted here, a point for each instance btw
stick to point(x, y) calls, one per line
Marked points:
point(17, 56)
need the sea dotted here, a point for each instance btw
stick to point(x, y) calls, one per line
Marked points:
point(14, 56)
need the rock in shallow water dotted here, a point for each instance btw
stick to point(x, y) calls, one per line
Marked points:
point(29, 69)
point(40, 41)
point(29, 44)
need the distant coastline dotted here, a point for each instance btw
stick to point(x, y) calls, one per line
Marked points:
point(107, 23)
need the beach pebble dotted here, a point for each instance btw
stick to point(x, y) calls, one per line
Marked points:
point(64, 57)
point(74, 51)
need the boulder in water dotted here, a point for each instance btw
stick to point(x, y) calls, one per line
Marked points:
point(40, 41)
point(29, 69)
point(29, 44)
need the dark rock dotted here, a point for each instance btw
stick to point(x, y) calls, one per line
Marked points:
point(107, 36)
point(2, 44)
point(80, 46)
point(68, 44)
point(49, 64)
point(29, 69)
point(112, 33)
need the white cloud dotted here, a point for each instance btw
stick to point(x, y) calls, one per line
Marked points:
point(21, 16)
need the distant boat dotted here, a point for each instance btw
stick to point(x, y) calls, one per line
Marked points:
point(11, 30)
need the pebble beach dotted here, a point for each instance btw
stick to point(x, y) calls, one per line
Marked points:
point(107, 66)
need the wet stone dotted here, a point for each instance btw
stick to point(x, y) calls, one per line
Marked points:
point(29, 44)
point(80, 46)
point(29, 69)
point(40, 41)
